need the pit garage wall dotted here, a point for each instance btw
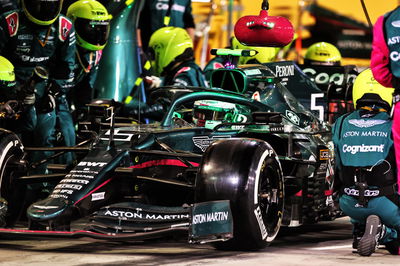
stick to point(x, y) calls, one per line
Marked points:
point(219, 29)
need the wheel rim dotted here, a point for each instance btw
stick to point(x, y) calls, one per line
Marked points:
point(270, 198)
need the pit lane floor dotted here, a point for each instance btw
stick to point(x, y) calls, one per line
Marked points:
point(326, 243)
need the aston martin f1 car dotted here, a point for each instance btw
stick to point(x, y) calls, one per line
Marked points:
point(221, 167)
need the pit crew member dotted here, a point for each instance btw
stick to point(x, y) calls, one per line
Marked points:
point(366, 168)
point(37, 35)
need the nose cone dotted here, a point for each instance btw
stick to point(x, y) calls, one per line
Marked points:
point(49, 209)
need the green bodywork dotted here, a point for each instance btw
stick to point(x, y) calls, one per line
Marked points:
point(119, 66)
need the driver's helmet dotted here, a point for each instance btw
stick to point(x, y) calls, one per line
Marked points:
point(169, 46)
point(324, 54)
point(264, 55)
point(210, 113)
point(42, 12)
point(92, 24)
point(7, 78)
point(367, 91)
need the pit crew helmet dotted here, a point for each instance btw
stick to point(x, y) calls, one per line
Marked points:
point(322, 53)
point(368, 91)
point(92, 24)
point(7, 77)
point(210, 113)
point(42, 12)
point(168, 46)
point(264, 55)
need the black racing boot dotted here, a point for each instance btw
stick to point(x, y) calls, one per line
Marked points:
point(374, 231)
point(393, 246)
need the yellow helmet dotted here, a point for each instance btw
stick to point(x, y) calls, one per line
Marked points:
point(368, 91)
point(42, 12)
point(323, 53)
point(264, 55)
point(91, 22)
point(7, 76)
point(169, 45)
point(7, 79)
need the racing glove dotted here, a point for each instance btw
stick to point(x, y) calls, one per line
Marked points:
point(26, 93)
point(3, 212)
point(48, 101)
point(152, 81)
point(8, 109)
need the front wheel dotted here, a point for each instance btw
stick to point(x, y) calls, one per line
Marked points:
point(11, 167)
point(248, 173)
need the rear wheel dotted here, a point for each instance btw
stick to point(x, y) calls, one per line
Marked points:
point(246, 172)
point(11, 167)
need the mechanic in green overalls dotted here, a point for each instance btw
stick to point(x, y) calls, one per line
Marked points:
point(37, 35)
point(172, 58)
point(92, 26)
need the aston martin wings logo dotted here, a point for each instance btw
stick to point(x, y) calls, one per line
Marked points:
point(203, 142)
point(292, 116)
point(366, 123)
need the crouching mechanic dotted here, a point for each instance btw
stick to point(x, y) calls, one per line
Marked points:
point(366, 167)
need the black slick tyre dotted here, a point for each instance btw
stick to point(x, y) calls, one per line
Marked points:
point(248, 173)
point(11, 154)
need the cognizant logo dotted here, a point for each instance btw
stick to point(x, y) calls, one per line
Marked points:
point(353, 149)
point(395, 56)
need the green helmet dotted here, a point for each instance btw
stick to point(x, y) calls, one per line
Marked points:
point(168, 46)
point(210, 113)
point(42, 12)
point(322, 53)
point(264, 55)
point(7, 78)
point(92, 23)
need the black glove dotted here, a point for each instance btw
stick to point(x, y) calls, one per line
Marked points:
point(53, 88)
point(26, 93)
point(47, 103)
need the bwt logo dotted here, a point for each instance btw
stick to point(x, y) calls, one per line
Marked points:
point(91, 164)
